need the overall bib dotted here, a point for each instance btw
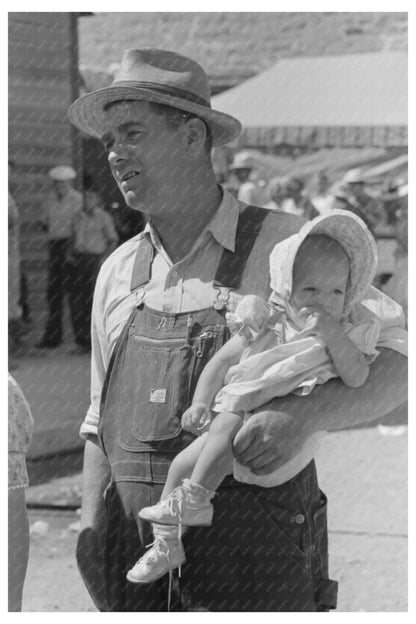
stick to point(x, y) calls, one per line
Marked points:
point(267, 548)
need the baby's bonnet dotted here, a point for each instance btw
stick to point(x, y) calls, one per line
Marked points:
point(351, 233)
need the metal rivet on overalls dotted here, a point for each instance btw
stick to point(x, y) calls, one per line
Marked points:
point(299, 518)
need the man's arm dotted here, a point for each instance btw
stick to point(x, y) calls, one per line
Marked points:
point(90, 546)
point(277, 431)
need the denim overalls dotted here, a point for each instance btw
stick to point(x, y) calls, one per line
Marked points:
point(266, 550)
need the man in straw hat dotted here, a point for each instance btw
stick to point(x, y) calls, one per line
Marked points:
point(159, 314)
point(63, 203)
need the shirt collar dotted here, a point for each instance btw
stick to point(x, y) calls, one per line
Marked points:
point(223, 225)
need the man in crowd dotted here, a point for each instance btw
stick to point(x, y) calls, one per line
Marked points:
point(93, 238)
point(298, 202)
point(361, 203)
point(200, 253)
point(62, 205)
point(250, 189)
point(321, 196)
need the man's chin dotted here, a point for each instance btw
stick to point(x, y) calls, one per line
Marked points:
point(133, 201)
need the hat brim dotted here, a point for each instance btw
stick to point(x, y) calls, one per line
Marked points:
point(87, 113)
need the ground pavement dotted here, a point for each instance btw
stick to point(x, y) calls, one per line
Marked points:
point(363, 472)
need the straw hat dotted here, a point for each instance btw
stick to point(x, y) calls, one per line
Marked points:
point(241, 160)
point(160, 76)
point(62, 173)
point(350, 232)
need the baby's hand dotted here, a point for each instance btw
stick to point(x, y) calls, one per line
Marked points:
point(318, 322)
point(196, 418)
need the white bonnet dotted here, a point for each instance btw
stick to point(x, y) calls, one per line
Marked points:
point(350, 232)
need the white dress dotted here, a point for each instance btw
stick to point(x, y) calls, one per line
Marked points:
point(276, 363)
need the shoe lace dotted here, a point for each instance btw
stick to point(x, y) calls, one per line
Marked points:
point(156, 548)
point(173, 505)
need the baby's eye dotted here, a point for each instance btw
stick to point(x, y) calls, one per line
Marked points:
point(338, 291)
point(309, 289)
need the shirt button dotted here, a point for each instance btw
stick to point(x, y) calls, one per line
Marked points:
point(175, 274)
point(299, 518)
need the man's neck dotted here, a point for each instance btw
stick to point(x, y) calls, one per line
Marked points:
point(179, 233)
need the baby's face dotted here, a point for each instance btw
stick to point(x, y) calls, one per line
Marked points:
point(320, 277)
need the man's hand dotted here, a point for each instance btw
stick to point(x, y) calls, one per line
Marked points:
point(196, 418)
point(268, 440)
point(91, 539)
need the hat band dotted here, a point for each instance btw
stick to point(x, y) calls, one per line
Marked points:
point(174, 91)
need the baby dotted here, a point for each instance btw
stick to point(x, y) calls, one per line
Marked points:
point(312, 329)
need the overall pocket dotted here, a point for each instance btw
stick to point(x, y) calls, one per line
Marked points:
point(153, 404)
point(158, 381)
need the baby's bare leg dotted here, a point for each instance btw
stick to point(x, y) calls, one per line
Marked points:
point(215, 460)
point(183, 465)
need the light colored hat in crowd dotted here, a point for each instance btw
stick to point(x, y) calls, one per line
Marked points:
point(62, 172)
point(353, 176)
point(241, 160)
point(403, 190)
point(159, 76)
point(350, 232)
point(339, 190)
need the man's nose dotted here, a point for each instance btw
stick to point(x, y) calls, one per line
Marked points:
point(118, 152)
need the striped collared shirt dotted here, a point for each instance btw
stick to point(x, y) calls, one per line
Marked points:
point(188, 285)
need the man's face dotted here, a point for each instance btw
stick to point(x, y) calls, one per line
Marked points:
point(145, 155)
point(62, 187)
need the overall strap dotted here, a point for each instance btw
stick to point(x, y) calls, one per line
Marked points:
point(233, 263)
point(142, 267)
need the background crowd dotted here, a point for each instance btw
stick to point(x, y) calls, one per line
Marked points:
point(383, 207)
point(81, 231)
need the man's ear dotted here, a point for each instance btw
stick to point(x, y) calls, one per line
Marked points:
point(196, 134)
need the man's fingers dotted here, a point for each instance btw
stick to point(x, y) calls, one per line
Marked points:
point(261, 460)
point(270, 466)
point(244, 439)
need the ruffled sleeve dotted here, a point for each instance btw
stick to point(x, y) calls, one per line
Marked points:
point(251, 317)
point(20, 430)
